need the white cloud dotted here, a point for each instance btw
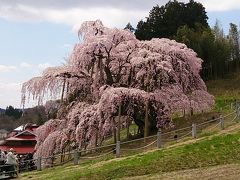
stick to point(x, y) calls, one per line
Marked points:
point(220, 5)
point(10, 94)
point(68, 47)
point(44, 65)
point(63, 4)
point(25, 65)
point(113, 13)
point(4, 68)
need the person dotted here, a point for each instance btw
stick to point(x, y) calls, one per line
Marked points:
point(12, 162)
point(2, 157)
point(2, 161)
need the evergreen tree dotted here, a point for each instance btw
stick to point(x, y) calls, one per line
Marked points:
point(210, 45)
point(129, 27)
point(11, 111)
point(234, 42)
point(164, 21)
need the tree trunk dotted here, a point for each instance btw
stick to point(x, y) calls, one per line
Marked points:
point(64, 153)
point(109, 76)
point(96, 138)
point(146, 120)
point(128, 125)
point(101, 72)
point(61, 156)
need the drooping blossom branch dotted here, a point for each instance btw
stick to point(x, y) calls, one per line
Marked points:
point(109, 69)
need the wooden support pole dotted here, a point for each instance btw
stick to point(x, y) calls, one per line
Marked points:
point(75, 157)
point(118, 149)
point(159, 138)
point(222, 122)
point(146, 121)
point(119, 122)
point(127, 124)
point(39, 163)
point(96, 138)
point(114, 131)
point(63, 89)
point(194, 130)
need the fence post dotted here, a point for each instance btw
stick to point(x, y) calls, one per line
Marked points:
point(194, 130)
point(222, 122)
point(75, 157)
point(159, 138)
point(118, 149)
point(39, 163)
point(238, 113)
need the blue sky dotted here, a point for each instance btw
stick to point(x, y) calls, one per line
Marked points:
point(38, 34)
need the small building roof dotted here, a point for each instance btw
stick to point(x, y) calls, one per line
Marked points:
point(23, 136)
point(20, 128)
point(25, 133)
point(21, 139)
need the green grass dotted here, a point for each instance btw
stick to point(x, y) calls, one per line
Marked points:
point(219, 150)
point(221, 172)
point(208, 152)
point(226, 91)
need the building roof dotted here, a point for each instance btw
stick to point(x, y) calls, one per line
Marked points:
point(23, 136)
point(17, 149)
point(25, 133)
point(28, 126)
point(18, 138)
point(27, 138)
point(20, 128)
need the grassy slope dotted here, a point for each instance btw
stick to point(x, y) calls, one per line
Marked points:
point(225, 90)
point(208, 151)
point(187, 161)
point(221, 172)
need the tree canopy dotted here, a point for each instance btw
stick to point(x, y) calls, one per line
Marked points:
point(12, 112)
point(164, 21)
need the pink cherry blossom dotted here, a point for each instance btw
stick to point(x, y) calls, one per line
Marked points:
point(108, 69)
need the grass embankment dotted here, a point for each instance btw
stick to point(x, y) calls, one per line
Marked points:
point(212, 157)
point(225, 90)
point(221, 172)
point(208, 151)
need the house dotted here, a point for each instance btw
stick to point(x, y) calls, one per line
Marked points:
point(21, 139)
